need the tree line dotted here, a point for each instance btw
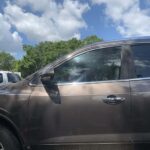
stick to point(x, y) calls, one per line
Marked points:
point(41, 54)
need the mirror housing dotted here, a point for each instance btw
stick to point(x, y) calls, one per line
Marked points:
point(47, 76)
point(50, 86)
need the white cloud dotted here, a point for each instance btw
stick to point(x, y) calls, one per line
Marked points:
point(9, 41)
point(129, 18)
point(57, 21)
point(36, 5)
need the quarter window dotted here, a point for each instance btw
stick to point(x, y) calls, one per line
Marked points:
point(141, 54)
point(96, 65)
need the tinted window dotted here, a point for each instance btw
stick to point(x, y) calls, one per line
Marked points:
point(96, 65)
point(1, 78)
point(13, 77)
point(141, 54)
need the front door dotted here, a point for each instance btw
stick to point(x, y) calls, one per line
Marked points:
point(94, 101)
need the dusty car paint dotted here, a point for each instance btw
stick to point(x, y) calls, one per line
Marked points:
point(14, 100)
point(82, 112)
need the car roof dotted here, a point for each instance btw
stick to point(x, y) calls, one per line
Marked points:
point(1, 71)
point(122, 41)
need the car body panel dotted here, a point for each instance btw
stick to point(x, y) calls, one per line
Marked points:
point(14, 100)
point(82, 114)
point(140, 90)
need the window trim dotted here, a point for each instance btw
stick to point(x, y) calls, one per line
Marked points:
point(99, 46)
point(69, 57)
point(139, 79)
point(73, 54)
point(93, 82)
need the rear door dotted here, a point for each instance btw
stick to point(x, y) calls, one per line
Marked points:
point(140, 90)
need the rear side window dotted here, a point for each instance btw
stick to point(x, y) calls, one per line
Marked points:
point(1, 78)
point(13, 77)
point(141, 54)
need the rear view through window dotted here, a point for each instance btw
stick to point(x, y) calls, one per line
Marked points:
point(141, 54)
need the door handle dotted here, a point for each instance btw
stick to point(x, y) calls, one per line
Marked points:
point(113, 100)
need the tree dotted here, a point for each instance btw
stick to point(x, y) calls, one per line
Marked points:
point(7, 62)
point(46, 52)
point(90, 40)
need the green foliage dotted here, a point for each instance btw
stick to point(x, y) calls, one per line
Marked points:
point(7, 62)
point(44, 53)
point(90, 40)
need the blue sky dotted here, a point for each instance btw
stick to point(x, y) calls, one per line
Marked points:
point(34, 21)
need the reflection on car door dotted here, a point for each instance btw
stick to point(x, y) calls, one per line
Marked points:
point(87, 114)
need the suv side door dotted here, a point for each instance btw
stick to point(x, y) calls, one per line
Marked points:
point(95, 101)
point(140, 92)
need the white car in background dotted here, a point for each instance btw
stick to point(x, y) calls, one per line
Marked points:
point(9, 77)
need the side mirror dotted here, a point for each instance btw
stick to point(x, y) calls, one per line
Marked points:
point(46, 77)
point(50, 86)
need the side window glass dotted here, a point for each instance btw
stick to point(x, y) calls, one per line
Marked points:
point(13, 77)
point(141, 54)
point(1, 78)
point(96, 65)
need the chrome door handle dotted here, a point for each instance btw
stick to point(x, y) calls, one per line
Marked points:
point(113, 100)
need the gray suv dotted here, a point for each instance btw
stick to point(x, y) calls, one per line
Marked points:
point(95, 97)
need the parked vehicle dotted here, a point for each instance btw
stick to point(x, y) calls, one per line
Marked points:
point(9, 77)
point(96, 96)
